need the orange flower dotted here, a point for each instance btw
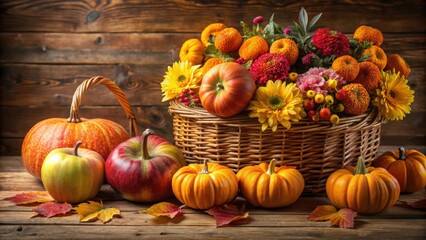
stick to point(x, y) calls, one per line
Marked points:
point(370, 34)
point(192, 51)
point(369, 76)
point(287, 47)
point(377, 56)
point(346, 66)
point(398, 63)
point(253, 47)
point(211, 30)
point(228, 40)
point(211, 62)
point(357, 100)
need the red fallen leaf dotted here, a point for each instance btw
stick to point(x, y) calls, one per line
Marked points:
point(419, 204)
point(164, 209)
point(50, 209)
point(30, 197)
point(226, 214)
point(344, 218)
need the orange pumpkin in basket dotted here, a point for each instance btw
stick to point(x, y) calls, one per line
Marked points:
point(99, 135)
point(270, 187)
point(407, 166)
point(202, 186)
point(362, 190)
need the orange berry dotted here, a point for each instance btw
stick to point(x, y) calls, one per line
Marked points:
point(377, 56)
point(319, 98)
point(310, 93)
point(211, 30)
point(334, 119)
point(253, 47)
point(346, 66)
point(287, 47)
point(293, 76)
point(397, 63)
point(211, 62)
point(369, 76)
point(358, 99)
point(228, 40)
point(192, 50)
point(370, 34)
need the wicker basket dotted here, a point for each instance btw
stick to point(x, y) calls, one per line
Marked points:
point(316, 149)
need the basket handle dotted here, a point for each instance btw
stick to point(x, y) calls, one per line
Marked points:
point(118, 93)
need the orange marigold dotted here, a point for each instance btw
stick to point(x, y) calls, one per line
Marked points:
point(397, 63)
point(253, 47)
point(346, 66)
point(211, 62)
point(357, 100)
point(369, 76)
point(377, 56)
point(211, 30)
point(228, 40)
point(192, 50)
point(287, 47)
point(366, 33)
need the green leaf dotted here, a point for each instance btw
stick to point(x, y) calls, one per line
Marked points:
point(314, 20)
point(303, 19)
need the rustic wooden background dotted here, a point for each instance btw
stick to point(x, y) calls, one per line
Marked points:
point(47, 48)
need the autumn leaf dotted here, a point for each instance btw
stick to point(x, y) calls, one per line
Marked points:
point(50, 209)
point(164, 209)
point(419, 204)
point(30, 197)
point(226, 214)
point(92, 211)
point(344, 218)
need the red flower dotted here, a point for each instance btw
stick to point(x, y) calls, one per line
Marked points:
point(269, 66)
point(258, 19)
point(329, 42)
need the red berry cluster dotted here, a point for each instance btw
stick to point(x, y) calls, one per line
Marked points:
point(189, 97)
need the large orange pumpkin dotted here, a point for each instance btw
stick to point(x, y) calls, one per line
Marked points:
point(407, 166)
point(362, 190)
point(270, 187)
point(99, 135)
point(202, 186)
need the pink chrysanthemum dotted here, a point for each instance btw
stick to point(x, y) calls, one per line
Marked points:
point(330, 42)
point(240, 60)
point(270, 66)
point(316, 79)
point(287, 31)
point(307, 59)
point(258, 19)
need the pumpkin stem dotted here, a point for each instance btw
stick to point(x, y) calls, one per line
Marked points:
point(402, 153)
point(76, 148)
point(145, 134)
point(360, 167)
point(205, 168)
point(271, 167)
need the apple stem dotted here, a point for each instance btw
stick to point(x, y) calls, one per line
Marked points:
point(271, 167)
point(145, 134)
point(77, 145)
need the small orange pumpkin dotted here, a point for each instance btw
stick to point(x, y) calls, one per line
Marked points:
point(202, 186)
point(407, 166)
point(192, 50)
point(364, 190)
point(270, 187)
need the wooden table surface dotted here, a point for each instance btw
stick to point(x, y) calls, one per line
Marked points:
point(17, 222)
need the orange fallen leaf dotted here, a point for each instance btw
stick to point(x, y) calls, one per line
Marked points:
point(164, 209)
point(50, 209)
point(226, 214)
point(344, 218)
point(30, 197)
point(91, 211)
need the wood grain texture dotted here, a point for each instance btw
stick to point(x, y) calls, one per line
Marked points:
point(185, 16)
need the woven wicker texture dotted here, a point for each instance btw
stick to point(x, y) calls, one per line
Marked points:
point(315, 149)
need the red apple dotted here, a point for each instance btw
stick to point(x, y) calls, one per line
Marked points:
point(141, 168)
point(341, 95)
point(73, 175)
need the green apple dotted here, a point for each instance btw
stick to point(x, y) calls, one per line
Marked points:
point(73, 175)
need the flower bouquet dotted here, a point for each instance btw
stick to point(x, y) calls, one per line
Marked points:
point(309, 97)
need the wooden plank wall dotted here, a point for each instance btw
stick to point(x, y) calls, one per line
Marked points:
point(49, 47)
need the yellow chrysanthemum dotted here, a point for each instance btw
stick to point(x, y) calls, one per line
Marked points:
point(181, 75)
point(394, 96)
point(277, 103)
